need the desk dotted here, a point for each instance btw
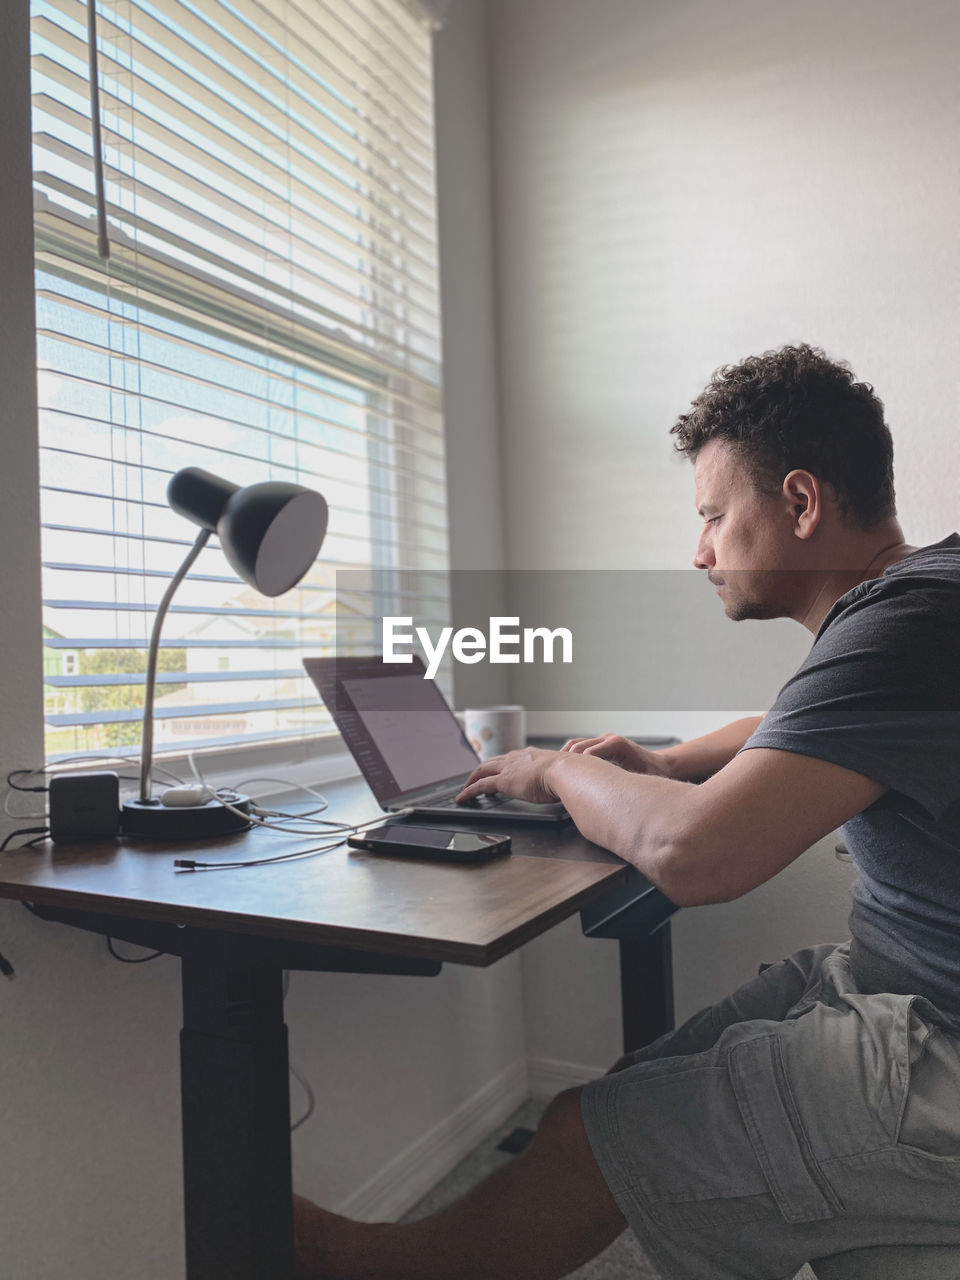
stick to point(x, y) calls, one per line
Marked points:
point(340, 912)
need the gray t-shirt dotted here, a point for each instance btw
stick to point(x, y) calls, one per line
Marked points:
point(879, 693)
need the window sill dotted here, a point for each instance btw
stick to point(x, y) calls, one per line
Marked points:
point(272, 769)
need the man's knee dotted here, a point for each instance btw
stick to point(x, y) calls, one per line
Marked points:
point(563, 1107)
point(621, 1064)
point(562, 1125)
point(563, 1141)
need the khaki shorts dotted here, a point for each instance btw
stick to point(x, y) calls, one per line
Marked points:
point(796, 1119)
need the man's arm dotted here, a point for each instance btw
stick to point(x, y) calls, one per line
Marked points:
point(702, 757)
point(688, 762)
point(716, 841)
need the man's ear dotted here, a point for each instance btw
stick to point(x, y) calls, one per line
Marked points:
point(804, 498)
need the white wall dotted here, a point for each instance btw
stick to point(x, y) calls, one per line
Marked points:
point(468, 304)
point(408, 1072)
point(681, 183)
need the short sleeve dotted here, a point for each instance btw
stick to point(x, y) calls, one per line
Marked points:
point(879, 692)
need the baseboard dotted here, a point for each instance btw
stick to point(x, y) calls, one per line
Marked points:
point(548, 1076)
point(415, 1171)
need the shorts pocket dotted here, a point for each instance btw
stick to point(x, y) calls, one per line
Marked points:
point(929, 1121)
point(776, 1132)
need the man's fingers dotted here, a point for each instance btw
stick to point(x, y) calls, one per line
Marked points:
point(579, 745)
point(478, 782)
point(482, 770)
point(483, 786)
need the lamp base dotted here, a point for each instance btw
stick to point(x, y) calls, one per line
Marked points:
point(154, 821)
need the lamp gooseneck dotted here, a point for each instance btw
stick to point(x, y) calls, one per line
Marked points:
point(146, 739)
point(270, 532)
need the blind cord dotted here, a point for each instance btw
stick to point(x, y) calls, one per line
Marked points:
point(103, 243)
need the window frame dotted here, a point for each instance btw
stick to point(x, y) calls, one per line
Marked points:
point(286, 754)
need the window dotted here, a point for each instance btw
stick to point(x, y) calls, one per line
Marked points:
point(268, 309)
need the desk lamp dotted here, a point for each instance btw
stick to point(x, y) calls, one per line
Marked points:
point(270, 533)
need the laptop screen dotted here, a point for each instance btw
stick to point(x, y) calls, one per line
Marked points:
point(397, 725)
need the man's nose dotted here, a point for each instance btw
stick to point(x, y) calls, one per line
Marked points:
point(703, 557)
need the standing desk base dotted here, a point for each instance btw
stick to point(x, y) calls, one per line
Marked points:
point(638, 915)
point(234, 1085)
point(238, 1205)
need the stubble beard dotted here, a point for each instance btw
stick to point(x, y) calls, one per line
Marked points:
point(739, 608)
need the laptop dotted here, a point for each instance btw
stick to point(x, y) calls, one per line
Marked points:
point(408, 743)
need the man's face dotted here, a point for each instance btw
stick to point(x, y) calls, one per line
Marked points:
point(746, 544)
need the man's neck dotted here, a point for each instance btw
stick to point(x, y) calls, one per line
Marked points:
point(868, 557)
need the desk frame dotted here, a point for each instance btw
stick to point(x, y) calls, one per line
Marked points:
point(234, 1064)
point(234, 1084)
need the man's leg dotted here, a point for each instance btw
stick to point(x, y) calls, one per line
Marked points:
point(539, 1218)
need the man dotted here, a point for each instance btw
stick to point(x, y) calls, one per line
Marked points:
point(818, 1108)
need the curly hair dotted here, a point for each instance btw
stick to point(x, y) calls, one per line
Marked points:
point(796, 408)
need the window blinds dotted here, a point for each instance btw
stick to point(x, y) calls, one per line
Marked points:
point(268, 310)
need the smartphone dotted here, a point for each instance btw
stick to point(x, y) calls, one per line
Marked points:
point(399, 840)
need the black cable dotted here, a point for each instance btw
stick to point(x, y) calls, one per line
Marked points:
point(6, 968)
point(131, 959)
point(27, 773)
point(15, 786)
point(301, 1080)
point(39, 832)
point(311, 1098)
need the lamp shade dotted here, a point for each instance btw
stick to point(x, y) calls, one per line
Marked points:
point(270, 532)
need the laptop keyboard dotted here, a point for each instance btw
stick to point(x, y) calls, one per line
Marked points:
point(478, 802)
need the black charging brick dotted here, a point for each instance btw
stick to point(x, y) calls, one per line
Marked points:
point(84, 806)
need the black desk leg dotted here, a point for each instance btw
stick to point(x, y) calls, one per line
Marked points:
point(236, 1122)
point(646, 987)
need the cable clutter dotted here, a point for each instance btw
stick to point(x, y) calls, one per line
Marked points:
point(86, 806)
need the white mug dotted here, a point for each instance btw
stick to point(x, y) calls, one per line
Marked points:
point(491, 731)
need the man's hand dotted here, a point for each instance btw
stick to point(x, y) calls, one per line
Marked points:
point(519, 774)
point(620, 751)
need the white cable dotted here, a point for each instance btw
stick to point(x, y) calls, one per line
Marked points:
point(11, 792)
point(43, 769)
point(304, 816)
point(341, 829)
point(294, 786)
point(253, 817)
point(190, 865)
point(104, 759)
point(322, 823)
